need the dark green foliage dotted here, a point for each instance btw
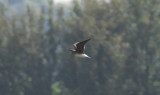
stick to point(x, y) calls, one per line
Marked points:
point(34, 57)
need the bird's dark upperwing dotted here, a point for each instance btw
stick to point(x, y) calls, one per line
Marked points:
point(80, 46)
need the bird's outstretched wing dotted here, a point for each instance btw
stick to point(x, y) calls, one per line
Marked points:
point(80, 46)
point(75, 44)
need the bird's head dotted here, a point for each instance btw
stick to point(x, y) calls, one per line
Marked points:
point(73, 51)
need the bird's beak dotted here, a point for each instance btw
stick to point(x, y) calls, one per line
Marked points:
point(70, 50)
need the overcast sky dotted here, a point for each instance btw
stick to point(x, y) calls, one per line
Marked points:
point(62, 1)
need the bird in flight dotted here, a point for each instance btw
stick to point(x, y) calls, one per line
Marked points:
point(79, 49)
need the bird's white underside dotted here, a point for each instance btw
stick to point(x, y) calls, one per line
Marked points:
point(82, 55)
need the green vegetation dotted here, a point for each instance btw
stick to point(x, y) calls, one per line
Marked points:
point(125, 49)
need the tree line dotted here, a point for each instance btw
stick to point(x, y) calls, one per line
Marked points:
point(34, 56)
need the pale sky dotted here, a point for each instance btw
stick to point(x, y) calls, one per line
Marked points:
point(62, 1)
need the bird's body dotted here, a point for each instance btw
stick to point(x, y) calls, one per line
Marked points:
point(82, 55)
point(79, 49)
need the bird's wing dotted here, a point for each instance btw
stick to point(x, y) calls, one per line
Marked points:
point(75, 44)
point(80, 46)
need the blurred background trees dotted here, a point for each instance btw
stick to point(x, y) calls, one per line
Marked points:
point(125, 46)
